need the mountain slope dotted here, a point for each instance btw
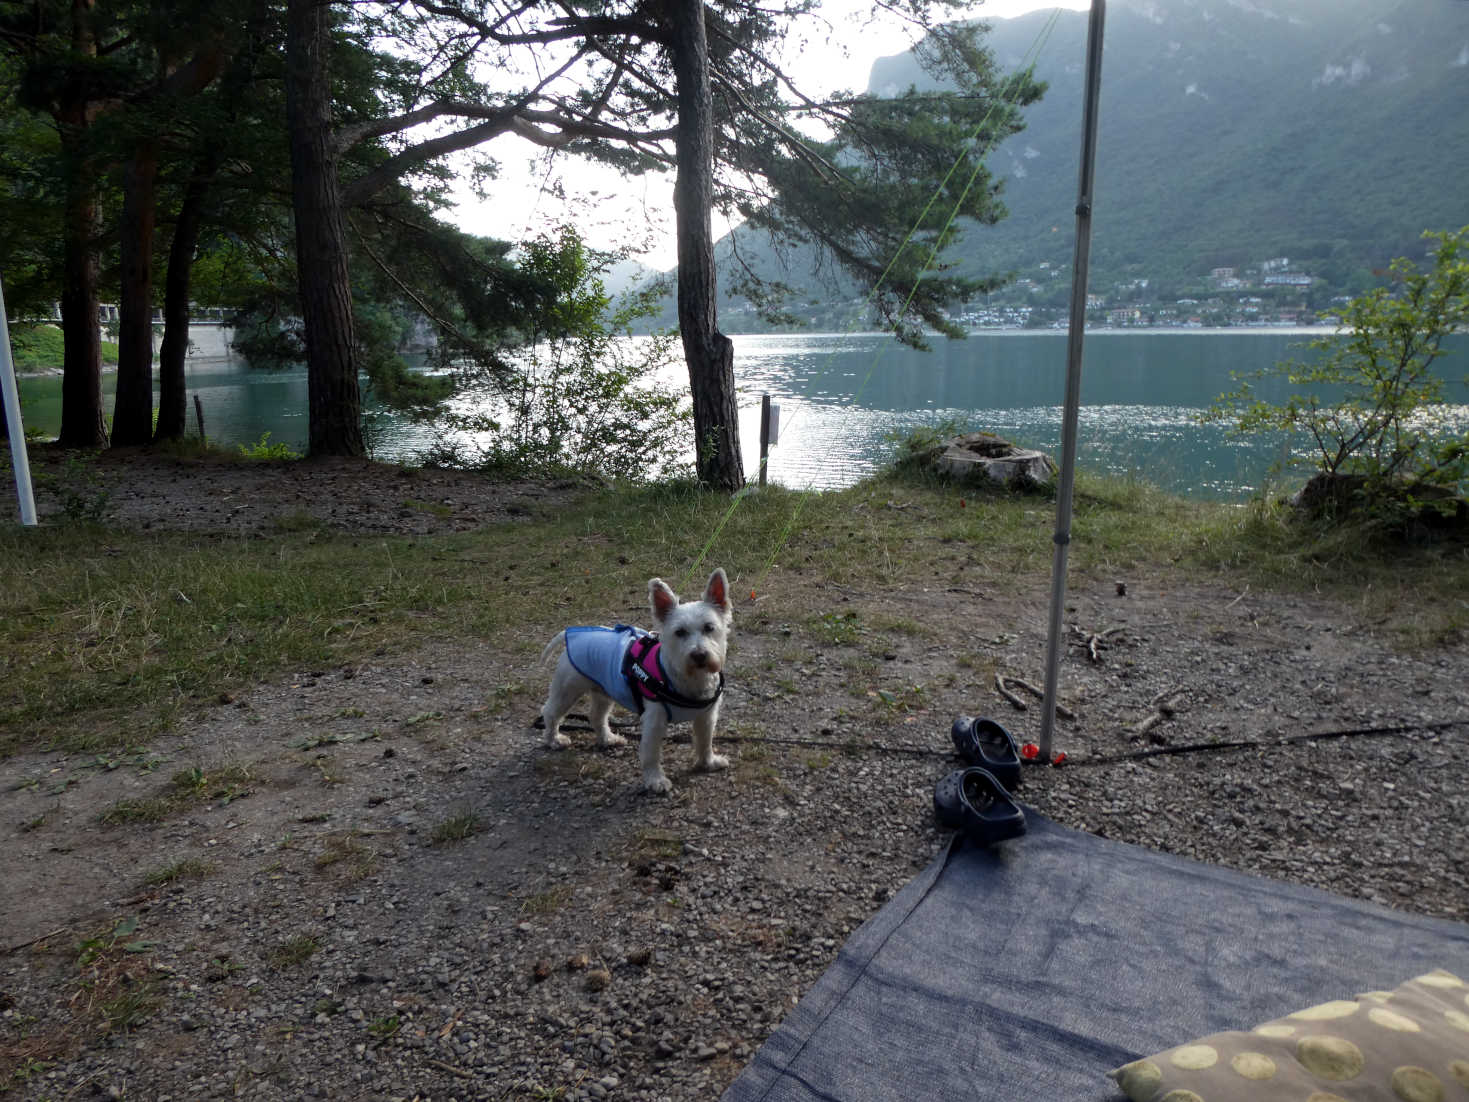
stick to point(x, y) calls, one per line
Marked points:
point(1230, 131)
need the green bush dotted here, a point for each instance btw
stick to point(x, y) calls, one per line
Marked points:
point(1369, 414)
point(40, 348)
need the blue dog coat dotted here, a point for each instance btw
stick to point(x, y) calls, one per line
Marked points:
point(626, 665)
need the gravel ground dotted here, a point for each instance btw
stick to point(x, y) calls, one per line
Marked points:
point(381, 886)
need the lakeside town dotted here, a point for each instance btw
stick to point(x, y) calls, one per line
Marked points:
point(1273, 293)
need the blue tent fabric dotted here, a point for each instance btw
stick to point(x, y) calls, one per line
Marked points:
point(1030, 969)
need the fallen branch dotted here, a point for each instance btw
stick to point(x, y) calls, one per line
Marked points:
point(1000, 688)
point(34, 941)
point(1002, 683)
point(1095, 641)
point(1162, 710)
point(450, 1068)
point(1148, 724)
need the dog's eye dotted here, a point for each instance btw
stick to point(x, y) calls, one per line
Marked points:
point(708, 629)
point(681, 632)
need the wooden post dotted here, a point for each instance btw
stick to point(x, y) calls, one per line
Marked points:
point(764, 435)
point(199, 416)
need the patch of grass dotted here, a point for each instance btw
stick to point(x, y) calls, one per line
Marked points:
point(296, 522)
point(188, 788)
point(568, 765)
point(116, 985)
point(108, 635)
point(345, 854)
point(186, 868)
point(547, 902)
point(435, 508)
point(836, 628)
point(293, 952)
point(457, 827)
point(657, 843)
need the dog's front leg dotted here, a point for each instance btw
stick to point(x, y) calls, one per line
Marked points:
point(705, 759)
point(650, 751)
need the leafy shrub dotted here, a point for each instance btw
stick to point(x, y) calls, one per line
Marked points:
point(263, 449)
point(582, 395)
point(1370, 415)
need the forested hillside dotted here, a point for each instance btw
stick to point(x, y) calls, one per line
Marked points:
point(1233, 131)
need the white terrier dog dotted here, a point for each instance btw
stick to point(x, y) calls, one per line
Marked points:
point(675, 676)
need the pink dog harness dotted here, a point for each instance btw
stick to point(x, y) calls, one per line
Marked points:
point(626, 664)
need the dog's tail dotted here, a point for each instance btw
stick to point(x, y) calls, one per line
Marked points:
point(557, 642)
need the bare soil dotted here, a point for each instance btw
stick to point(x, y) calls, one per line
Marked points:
point(304, 922)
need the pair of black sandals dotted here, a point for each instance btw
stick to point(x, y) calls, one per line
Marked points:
point(976, 800)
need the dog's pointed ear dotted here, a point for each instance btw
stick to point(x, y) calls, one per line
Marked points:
point(661, 599)
point(716, 593)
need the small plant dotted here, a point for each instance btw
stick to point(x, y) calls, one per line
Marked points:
point(187, 868)
point(188, 788)
point(838, 628)
point(79, 488)
point(457, 828)
point(346, 854)
point(117, 988)
point(384, 1028)
point(547, 902)
point(293, 951)
point(264, 450)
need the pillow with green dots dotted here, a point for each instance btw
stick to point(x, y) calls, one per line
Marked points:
point(1411, 1043)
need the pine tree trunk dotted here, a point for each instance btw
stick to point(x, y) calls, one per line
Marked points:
point(708, 352)
point(81, 377)
point(172, 389)
point(81, 374)
point(132, 412)
point(334, 395)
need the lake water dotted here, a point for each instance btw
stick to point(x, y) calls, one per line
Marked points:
point(842, 395)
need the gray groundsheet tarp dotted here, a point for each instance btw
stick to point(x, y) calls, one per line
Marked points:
point(1028, 970)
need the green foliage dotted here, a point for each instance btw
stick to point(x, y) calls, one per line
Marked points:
point(39, 348)
point(263, 449)
point(1368, 410)
point(78, 486)
point(579, 397)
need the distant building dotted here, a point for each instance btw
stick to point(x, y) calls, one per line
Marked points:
point(1278, 264)
point(1288, 279)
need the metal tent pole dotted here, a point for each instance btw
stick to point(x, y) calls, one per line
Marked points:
point(1062, 538)
point(19, 457)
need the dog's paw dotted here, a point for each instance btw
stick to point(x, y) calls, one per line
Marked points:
point(558, 741)
point(715, 763)
point(657, 784)
point(610, 739)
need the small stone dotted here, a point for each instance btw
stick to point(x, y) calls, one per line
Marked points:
point(542, 970)
point(640, 957)
point(706, 1052)
point(578, 962)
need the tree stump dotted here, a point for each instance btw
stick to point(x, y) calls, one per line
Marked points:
point(983, 456)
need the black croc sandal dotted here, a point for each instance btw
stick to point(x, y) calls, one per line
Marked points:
point(984, 743)
point(974, 802)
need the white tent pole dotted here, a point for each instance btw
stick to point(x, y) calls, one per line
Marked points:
point(1062, 538)
point(19, 458)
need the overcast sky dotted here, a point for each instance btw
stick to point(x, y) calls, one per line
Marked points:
point(612, 211)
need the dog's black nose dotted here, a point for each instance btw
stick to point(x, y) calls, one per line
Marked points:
point(699, 657)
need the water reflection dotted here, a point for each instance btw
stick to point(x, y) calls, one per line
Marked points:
point(841, 395)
